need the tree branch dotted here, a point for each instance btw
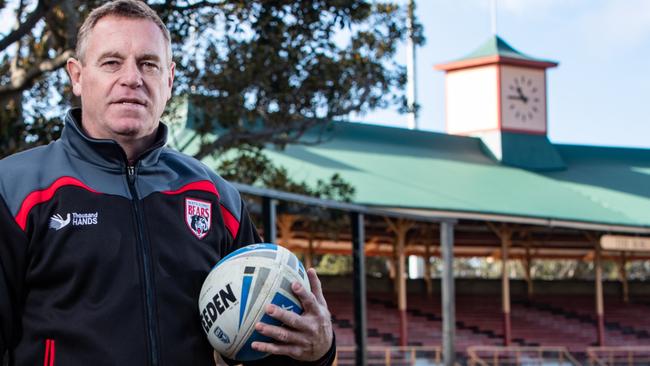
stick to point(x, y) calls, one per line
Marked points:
point(167, 6)
point(43, 7)
point(26, 78)
point(268, 135)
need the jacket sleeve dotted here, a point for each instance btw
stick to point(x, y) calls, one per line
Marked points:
point(248, 235)
point(13, 254)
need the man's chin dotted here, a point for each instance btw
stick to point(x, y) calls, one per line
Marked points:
point(132, 127)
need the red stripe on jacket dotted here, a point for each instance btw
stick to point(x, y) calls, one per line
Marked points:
point(52, 352)
point(202, 185)
point(49, 352)
point(45, 195)
point(231, 222)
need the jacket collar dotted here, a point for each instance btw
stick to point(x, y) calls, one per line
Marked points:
point(106, 152)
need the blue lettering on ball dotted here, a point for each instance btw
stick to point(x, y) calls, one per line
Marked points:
point(223, 337)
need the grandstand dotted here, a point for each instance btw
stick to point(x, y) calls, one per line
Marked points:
point(494, 186)
point(564, 323)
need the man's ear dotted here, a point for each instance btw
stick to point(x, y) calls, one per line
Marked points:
point(170, 80)
point(73, 66)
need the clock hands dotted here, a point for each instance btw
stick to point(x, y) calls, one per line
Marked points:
point(520, 96)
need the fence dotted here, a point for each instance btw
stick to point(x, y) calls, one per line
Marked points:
point(619, 356)
point(392, 356)
point(504, 356)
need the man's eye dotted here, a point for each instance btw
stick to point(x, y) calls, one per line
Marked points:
point(150, 65)
point(110, 63)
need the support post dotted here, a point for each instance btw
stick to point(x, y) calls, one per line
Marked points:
point(504, 233)
point(622, 274)
point(358, 259)
point(529, 277)
point(269, 212)
point(448, 296)
point(309, 257)
point(401, 227)
point(401, 285)
point(506, 241)
point(285, 223)
point(427, 270)
point(394, 263)
point(600, 308)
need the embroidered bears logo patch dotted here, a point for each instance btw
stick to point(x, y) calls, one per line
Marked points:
point(198, 216)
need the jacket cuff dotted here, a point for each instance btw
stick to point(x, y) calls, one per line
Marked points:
point(326, 360)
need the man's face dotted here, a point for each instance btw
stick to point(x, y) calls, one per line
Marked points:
point(124, 80)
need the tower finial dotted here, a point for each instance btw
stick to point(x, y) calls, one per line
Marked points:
point(494, 16)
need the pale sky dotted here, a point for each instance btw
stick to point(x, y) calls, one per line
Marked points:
point(598, 95)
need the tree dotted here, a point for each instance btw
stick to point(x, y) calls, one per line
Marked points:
point(265, 70)
point(249, 165)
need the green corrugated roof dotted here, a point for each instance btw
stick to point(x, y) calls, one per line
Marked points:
point(530, 151)
point(417, 169)
point(495, 45)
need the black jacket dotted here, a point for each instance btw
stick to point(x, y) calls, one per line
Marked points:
point(102, 263)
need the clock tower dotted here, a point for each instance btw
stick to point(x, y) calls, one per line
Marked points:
point(499, 94)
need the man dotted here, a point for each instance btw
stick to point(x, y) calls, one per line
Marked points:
point(99, 261)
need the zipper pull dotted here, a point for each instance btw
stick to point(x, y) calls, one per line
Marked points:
point(131, 173)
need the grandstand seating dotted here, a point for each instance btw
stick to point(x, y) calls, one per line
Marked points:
point(547, 320)
point(574, 321)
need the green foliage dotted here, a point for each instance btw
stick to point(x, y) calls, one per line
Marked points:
point(638, 270)
point(542, 269)
point(251, 166)
point(336, 189)
point(333, 264)
point(284, 65)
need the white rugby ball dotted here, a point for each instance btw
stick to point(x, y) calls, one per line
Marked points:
point(235, 294)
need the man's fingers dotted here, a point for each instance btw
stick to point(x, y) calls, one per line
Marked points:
point(218, 361)
point(307, 299)
point(280, 334)
point(278, 349)
point(288, 318)
point(316, 287)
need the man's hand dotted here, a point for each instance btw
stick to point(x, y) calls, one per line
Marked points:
point(305, 337)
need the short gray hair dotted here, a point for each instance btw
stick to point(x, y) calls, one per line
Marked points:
point(120, 8)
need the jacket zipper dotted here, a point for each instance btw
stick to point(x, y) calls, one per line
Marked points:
point(145, 253)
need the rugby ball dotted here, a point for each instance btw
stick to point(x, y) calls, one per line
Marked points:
point(234, 296)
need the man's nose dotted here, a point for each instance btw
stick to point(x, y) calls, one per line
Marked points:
point(131, 75)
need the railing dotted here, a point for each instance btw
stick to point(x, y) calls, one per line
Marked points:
point(387, 356)
point(503, 356)
point(619, 356)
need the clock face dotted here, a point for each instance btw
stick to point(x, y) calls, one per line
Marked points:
point(523, 99)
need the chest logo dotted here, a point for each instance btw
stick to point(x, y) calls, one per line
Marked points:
point(57, 222)
point(198, 216)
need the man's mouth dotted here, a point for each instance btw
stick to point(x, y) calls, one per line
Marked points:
point(131, 102)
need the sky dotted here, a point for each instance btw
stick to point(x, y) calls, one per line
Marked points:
point(599, 94)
